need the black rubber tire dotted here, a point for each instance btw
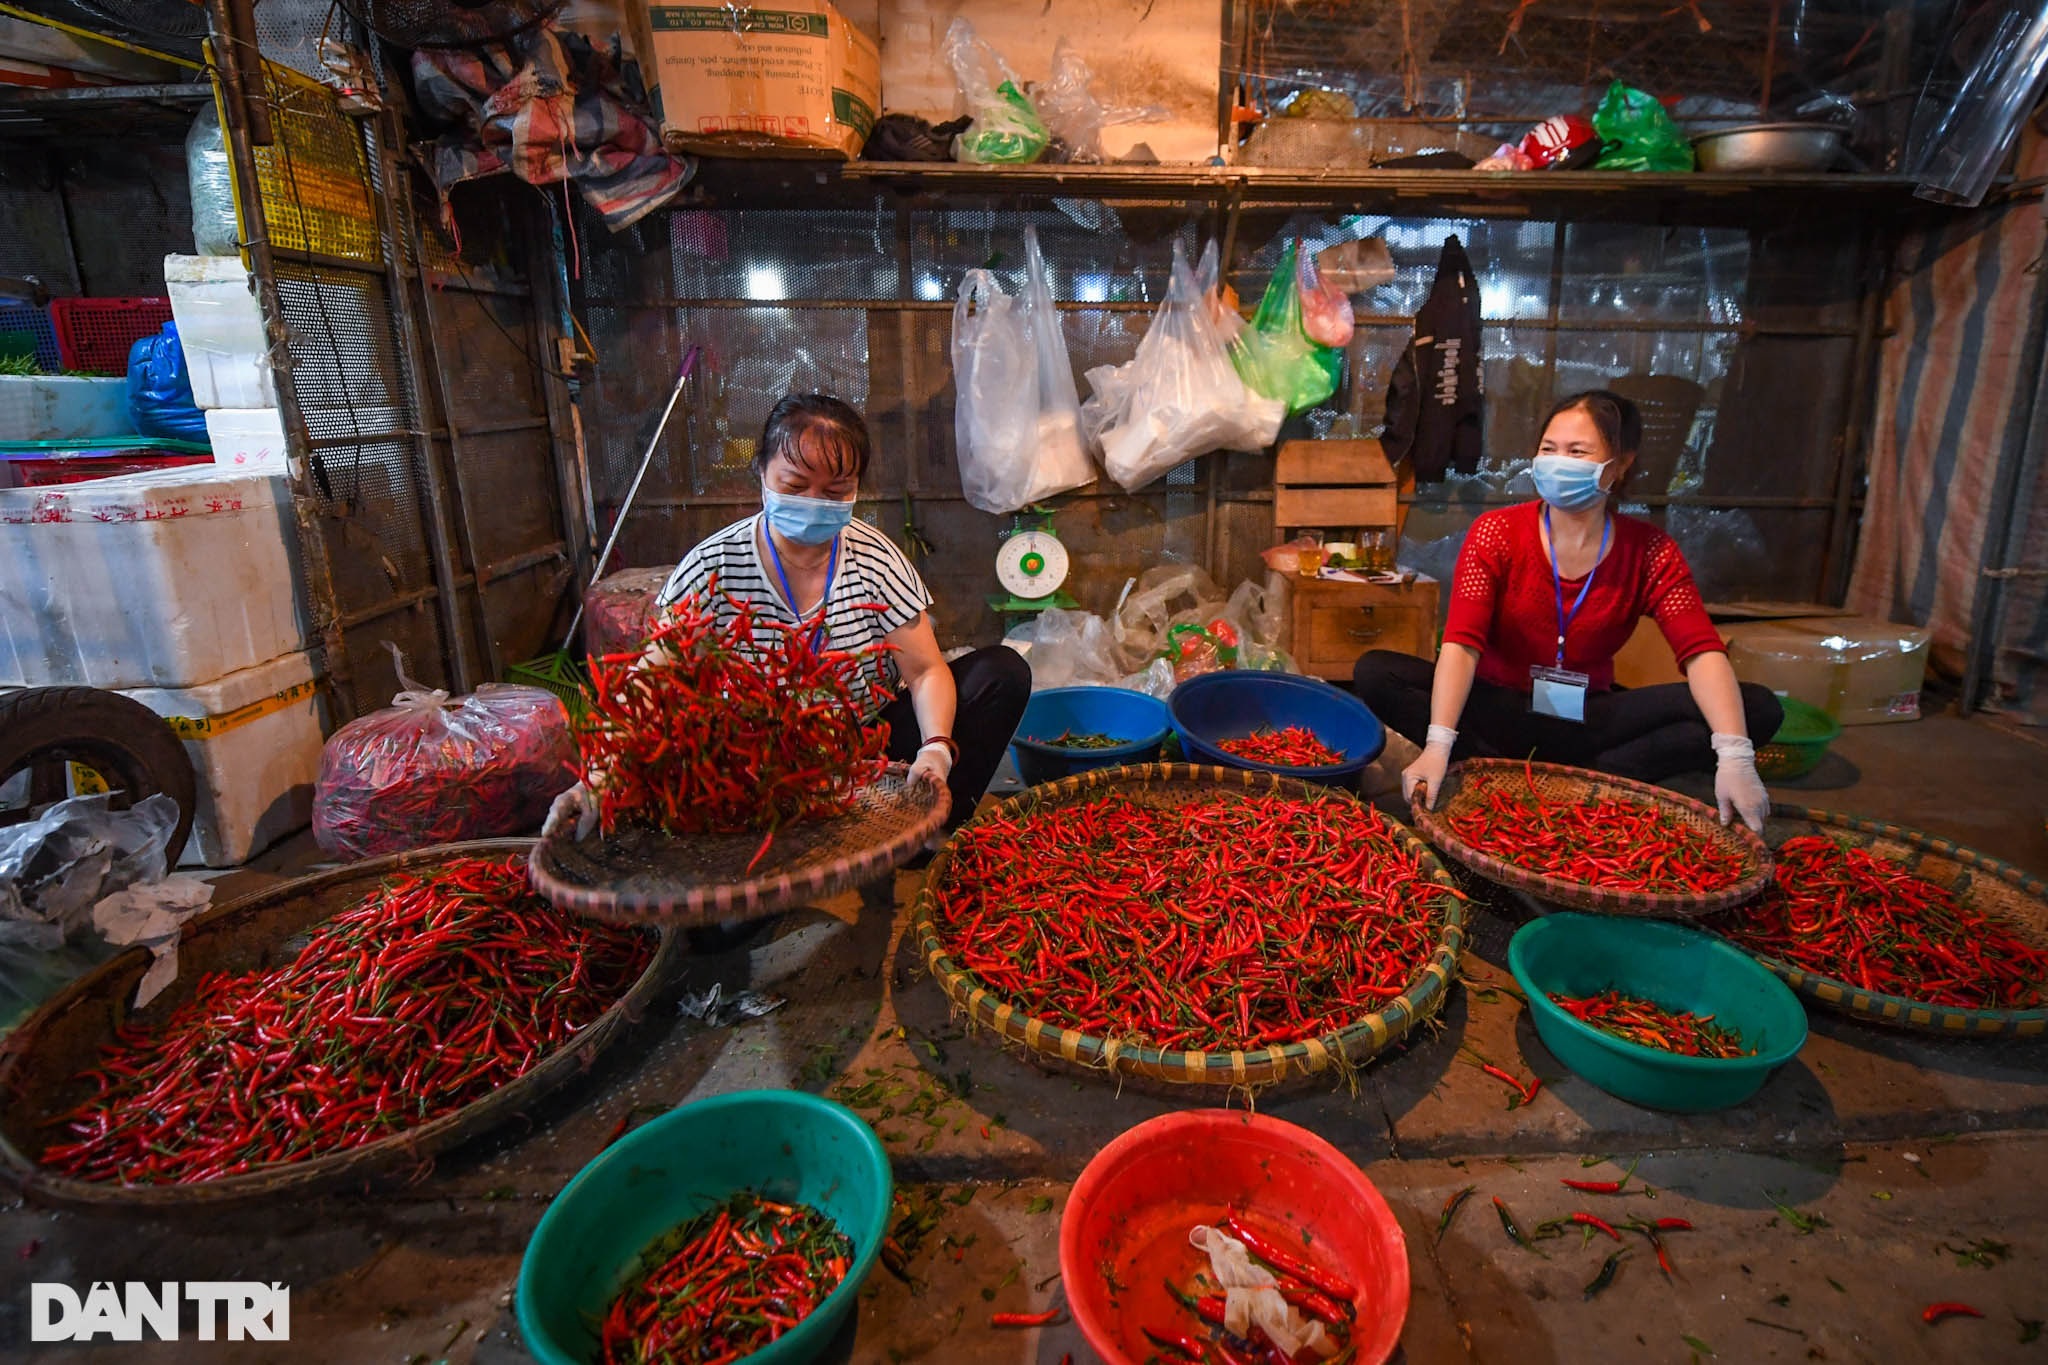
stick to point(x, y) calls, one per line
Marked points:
point(123, 741)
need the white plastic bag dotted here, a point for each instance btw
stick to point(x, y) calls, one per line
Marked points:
point(1073, 114)
point(1061, 459)
point(1251, 1295)
point(1016, 413)
point(995, 405)
point(1072, 648)
point(1178, 397)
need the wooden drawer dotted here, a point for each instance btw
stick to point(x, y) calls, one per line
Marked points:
point(1334, 624)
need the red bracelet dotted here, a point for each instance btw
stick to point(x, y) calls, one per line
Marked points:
point(952, 749)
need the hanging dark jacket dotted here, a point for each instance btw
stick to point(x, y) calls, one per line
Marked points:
point(1434, 401)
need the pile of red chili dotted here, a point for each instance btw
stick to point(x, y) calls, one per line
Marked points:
point(1625, 845)
point(726, 1283)
point(1294, 747)
point(1650, 1024)
point(1232, 922)
point(1859, 917)
point(723, 728)
point(432, 993)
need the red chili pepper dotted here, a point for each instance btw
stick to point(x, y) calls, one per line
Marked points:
point(1854, 915)
point(1673, 1225)
point(1049, 1316)
point(1269, 1251)
point(1297, 746)
point(1624, 844)
point(1592, 1221)
point(1935, 1312)
point(1595, 1186)
point(434, 991)
point(1180, 1344)
point(1648, 1024)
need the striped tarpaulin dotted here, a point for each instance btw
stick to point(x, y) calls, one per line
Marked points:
point(1949, 384)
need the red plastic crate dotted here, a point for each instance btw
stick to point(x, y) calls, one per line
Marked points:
point(95, 334)
point(52, 473)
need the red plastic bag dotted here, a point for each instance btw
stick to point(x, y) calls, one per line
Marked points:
point(618, 611)
point(432, 769)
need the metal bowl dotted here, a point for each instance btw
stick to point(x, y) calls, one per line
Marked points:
point(1762, 147)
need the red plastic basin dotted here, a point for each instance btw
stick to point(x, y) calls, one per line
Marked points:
point(1125, 1232)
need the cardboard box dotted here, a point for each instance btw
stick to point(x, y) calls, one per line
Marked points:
point(1858, 670)
point(799, 80)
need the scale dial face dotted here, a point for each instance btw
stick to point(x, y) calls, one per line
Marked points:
point(1032, 564)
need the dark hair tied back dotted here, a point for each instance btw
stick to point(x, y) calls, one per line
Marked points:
point(816, 431)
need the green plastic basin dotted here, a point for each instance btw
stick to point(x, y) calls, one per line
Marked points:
point(788, 1146)
point(1680, 969)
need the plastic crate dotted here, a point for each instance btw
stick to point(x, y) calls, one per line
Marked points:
point(95, 335)
point(51, 464)
point(27, 329)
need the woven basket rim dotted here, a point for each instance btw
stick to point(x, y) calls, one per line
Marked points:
point(407, 1149)
point(753, 897)
point(1419, 1000)
point(1857, 1002)
point(1435, 826)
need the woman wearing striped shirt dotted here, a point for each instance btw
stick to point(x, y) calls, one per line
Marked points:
point(803, 551)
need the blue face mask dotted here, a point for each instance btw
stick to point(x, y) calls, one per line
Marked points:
point(1567, 484)
point(807, 521)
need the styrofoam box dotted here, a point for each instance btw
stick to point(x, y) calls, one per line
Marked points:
point(256, 768)
point(220, 324)
point(48, 407)
point(247, 438)
point(164, 579)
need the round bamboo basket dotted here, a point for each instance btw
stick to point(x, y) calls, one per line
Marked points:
point(1466, 788)
point(41, 1062)
point(1171, 785)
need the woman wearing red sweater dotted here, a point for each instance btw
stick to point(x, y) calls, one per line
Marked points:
point(1545, 594)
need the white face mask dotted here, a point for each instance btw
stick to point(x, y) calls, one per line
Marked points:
point(1568, 484)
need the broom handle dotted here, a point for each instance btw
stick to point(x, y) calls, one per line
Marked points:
point(611, 543)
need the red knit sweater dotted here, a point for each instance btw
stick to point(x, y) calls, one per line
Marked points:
point(1504, 599)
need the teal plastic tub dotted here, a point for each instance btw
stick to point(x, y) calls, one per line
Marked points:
point(785, 1145)
point(1679, 969)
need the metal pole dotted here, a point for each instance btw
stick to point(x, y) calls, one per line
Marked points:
point(626, 508)
point(230, 62)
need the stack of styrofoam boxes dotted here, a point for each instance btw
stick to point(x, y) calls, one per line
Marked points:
point(220, 324)
point(176, 588)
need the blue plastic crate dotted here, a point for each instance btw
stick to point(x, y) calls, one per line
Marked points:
point(19, 319)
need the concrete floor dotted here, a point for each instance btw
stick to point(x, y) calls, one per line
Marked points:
point(1910, 1148)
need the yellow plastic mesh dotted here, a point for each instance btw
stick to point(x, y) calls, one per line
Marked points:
point(315, 178)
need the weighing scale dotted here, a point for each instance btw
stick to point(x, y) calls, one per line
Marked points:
point(1031, 564)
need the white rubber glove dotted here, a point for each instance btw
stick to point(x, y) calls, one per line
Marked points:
point(575, 809)
point(1737, 787)
point(933, 764)
point(1426, 773)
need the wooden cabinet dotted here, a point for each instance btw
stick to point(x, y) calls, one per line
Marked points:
point(1335, 622)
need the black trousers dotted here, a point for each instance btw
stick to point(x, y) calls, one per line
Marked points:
point(994, 684)
point(1648, 733)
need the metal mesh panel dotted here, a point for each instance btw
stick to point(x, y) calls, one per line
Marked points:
point(288, 31)
point(346, 365)
point(315, 180)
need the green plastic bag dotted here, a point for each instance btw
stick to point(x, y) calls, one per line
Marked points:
point(1007, 130)
point(1639, 135)
point(1275, 357)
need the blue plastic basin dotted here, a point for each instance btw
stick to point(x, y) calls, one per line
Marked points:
point(1139, 720)
point(1215, 707)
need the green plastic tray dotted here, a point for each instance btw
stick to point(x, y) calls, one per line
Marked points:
point(1680, 969)
point(781, 1144)
point(1800, 744)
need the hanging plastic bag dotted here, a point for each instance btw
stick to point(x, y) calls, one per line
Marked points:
point(1356, 264)
point(432, 769)
point(1072, 649)
point(160, 399)
point(1007, 130)
point(1060, 460)
point(1178, 397)
point(1639, 134)
point(1073, 114)
point(211, 185)
point(1275, 356)
point(995, 405)
point(1326, 316)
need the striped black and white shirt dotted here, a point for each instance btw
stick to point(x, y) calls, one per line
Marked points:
point(870, 570)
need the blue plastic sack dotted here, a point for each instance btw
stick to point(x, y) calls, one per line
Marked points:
point(160, 399)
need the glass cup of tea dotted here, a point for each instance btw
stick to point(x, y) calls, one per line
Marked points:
point(1310, 562)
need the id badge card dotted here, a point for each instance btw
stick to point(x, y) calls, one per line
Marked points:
point(1558, 692)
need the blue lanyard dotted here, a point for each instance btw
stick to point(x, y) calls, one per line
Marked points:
point(789, 593)
point(1564, 618)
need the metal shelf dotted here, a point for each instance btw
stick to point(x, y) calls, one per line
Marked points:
point(131, 111)
point(1649, 197)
